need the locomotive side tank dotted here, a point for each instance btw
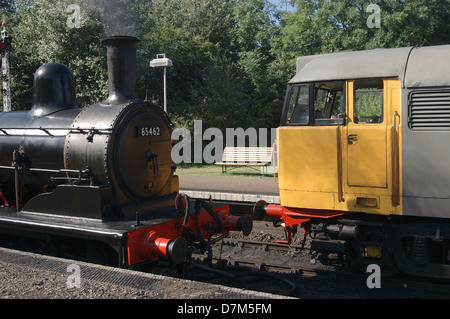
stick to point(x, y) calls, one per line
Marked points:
point(363, 156)
point(98, 180)
point(43, 128)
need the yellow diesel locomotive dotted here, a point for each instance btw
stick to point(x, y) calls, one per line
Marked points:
point(363, 155)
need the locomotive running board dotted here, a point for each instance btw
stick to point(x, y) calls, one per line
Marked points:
point(14, 223)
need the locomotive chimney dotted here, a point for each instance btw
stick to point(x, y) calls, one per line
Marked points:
point(121, 55)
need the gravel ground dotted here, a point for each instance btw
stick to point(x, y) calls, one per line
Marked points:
point(24, 283)
point(30, 276)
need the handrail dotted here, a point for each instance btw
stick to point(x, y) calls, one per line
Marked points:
point(339, 149)
point(395, 182)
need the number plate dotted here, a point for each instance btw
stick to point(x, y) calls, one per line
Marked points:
point(149, 131)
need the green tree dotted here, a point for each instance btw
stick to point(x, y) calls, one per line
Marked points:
point(232, 58)
point(322, 26)
point(414, 22)
point(40, 34)
point(8, 6)
point(205, 82)
point(210, 19)
point(256, 26)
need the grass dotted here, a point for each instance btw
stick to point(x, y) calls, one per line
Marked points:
point(37, 282)
point(216, 170)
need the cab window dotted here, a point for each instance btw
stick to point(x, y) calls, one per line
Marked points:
point(298, 105)
point(315, 103)
point(368, 102)
point(328, 102)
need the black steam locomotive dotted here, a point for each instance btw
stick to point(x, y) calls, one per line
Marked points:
point(98, 182)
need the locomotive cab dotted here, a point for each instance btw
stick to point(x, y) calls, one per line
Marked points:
point(362, 152)
point(343, 133)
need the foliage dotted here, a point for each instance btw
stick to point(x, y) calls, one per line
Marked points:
point(368, 105)
point(40, 34)
point(323, 26)
point(232, 58)
point(7, 6)
point(207, 81)
point(256, 26)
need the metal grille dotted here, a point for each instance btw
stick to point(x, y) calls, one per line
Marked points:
point(429, 110)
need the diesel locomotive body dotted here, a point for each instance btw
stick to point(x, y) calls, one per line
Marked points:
point(363, 157)
point(98, 182)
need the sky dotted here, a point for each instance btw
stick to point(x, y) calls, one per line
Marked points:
point(281, 4)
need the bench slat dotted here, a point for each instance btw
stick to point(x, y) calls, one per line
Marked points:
point(246, 156)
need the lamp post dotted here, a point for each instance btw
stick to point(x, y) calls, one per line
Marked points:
point(162, 61)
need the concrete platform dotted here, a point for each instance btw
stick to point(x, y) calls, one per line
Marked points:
point(227, 188)
point(31, 276)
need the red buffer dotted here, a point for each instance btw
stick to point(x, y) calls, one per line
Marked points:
point(172, 238)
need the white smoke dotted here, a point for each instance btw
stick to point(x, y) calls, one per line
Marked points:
point(118, 16)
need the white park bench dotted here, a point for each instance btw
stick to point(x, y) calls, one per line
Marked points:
point(245, 156)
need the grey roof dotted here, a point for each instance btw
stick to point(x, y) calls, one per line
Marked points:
point(415, 67)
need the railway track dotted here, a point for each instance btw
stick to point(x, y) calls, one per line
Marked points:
point(257, 263)
point(251, 264)
point(289, 270)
